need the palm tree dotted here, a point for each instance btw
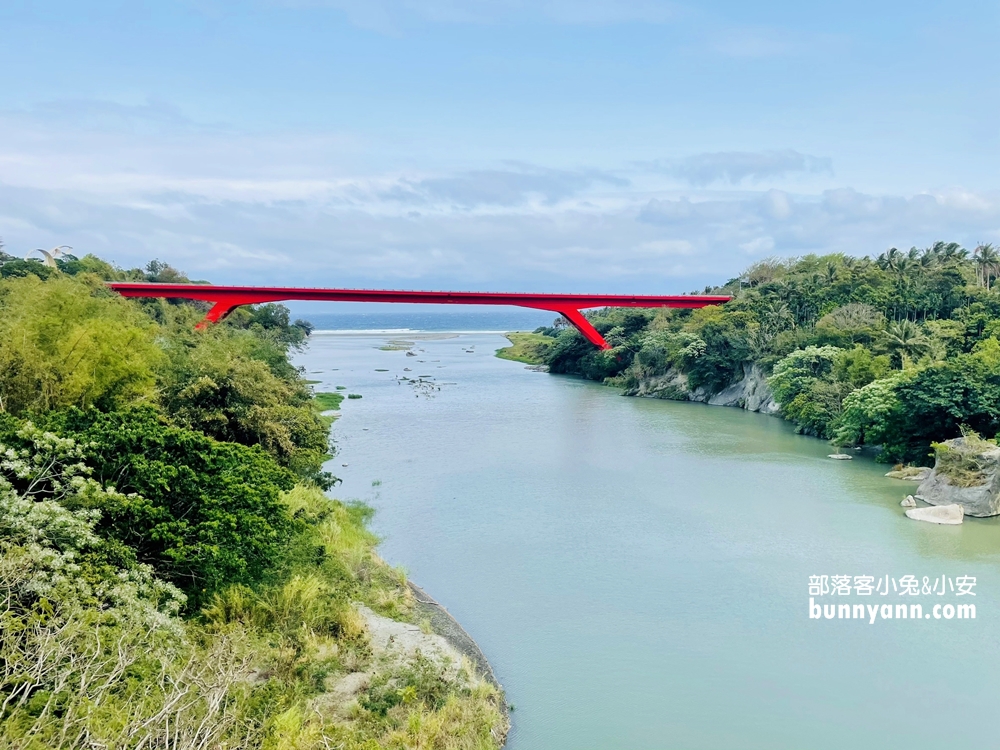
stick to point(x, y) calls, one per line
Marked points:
point(906, 340)
point(948, 252)
point(831, 272)
point(889, 260)
point(987, 261)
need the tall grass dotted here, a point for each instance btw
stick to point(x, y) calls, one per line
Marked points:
point(255, 670)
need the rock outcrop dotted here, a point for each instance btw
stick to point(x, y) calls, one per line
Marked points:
point(751, 392)
point(910, 473)
point(950, 515)
point(981, 500)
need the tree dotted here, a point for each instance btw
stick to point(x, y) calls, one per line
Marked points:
point(213, 381)
point(803, 384)
point(202, 513)
point(908, 411)
point(71, 342)
point(987, 260)
point(906, 341)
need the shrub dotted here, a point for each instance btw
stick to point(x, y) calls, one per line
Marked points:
point(204, 514)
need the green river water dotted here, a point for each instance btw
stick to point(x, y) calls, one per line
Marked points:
point(637, 571)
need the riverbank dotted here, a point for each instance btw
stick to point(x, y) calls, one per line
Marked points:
point(751, 392)
point(529, 348)
point(446, 626)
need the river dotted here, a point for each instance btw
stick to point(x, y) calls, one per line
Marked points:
point(637, 571)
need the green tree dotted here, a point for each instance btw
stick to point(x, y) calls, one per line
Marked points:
point(718, 360)
point(215, 382)
point(804, 386)
point(858, 367)
point(906, 413)
point(202, 513)
point(906, 341)
point(71, 342)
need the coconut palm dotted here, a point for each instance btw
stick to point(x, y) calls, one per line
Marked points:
point(987, 261)
point(889, 260)
point(907, 341)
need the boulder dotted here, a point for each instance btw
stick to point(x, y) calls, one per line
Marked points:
point(943, 514)
point(841, 456)
point(909, 502)
point(980, 500)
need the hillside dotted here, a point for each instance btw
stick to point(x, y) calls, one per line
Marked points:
point(898, 351)
point(171, 572)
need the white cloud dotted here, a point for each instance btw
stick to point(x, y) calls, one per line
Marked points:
point(779, 204)
point(305, 208)
point(761, 42)
point(513, 186)
point(735, 167)
point(658, 248)
point(758, 245)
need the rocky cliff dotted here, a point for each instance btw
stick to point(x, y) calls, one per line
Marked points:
point(965, 476)
point(751, 393)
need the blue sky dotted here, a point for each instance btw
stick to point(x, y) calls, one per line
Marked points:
point(596, 145)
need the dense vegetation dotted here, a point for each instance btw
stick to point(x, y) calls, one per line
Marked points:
point(898, 351)
point(171, 572)
point(530, 348)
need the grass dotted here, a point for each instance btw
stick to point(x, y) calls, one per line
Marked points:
point(309, 634)
point(354, 395)
point(530, 348)
point(963, 462)
point(258, 668)
point(326, 401)
point(397, 346)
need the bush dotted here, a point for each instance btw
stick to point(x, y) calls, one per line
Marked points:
point(203, 513)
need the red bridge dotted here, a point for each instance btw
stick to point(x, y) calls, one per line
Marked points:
point(226, 298)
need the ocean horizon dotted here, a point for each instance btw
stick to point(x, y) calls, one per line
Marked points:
point(492, 321)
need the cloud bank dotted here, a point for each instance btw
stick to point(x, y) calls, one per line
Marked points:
point(301, 208)
point(735, 167)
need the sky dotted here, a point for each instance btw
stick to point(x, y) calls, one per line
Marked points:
point(619, 146)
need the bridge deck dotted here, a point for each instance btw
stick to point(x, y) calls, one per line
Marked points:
point(226, 298)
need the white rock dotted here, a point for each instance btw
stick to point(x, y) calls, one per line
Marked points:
point(945, 514)
point(909, 502)
point(841, 457)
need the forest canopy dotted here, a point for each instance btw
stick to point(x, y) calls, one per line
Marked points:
point(897, 351)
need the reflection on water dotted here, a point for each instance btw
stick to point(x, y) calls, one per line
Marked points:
point(637, 570)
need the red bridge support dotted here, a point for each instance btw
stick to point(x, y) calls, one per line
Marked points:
point(227, 298)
